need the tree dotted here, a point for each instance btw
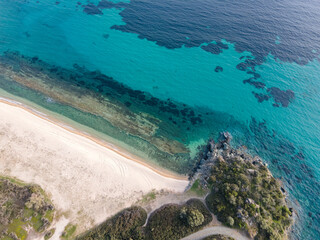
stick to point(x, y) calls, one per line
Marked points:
point(230, 221)
point(193, 217)
point(232, 199)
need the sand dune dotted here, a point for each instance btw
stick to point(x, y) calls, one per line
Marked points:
point(87, 181)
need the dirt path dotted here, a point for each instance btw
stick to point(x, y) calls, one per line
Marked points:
point(236, 234)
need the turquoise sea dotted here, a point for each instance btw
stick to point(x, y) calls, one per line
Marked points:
point(249, 67)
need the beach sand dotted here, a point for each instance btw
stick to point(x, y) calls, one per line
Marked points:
point(86, 180)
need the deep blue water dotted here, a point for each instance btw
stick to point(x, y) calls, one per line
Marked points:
point(252, 26)
point(257, 61)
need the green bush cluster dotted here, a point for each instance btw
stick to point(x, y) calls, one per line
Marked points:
point(246, 196)
point(49, 234)
point(126, 225)
point(174, 221)
point(22, 207)
point(193, 217)
point(68, 232)
point(171, 221)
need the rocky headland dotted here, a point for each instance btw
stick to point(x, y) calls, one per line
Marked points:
point(242, 191)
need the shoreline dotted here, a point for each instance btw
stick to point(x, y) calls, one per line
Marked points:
point(162, 172)
point(87, 180)
point(95, 174)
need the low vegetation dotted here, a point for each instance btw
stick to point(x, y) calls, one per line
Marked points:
point(49, 234)
point(148, 197)
point(68, 232)
point(197, 188)
point(23, 208)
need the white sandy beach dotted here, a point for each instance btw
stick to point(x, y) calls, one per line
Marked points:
point(87, 181)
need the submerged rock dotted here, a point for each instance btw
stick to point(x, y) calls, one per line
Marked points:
point(218, 69)
point(280, 96)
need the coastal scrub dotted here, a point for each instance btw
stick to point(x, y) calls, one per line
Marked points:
point(244, 194)
point(23, 208)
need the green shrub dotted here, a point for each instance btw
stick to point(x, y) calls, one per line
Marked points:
point(230, 221)
point(192, 216)
point(197, 188)
point(68, 232)
point(49, 234)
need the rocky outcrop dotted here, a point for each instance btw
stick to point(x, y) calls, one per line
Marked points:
point(243, 192)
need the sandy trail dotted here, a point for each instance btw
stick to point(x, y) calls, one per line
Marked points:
point(87, 181)
point(234, 233)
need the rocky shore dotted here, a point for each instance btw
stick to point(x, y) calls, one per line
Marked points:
point(243, 192)
point(214, 150)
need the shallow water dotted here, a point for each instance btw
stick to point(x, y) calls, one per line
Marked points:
point(252, 66)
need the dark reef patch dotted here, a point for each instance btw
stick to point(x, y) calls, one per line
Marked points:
point(275, 105)
point(249, 65)
point(222, 45)
point(107, 4)
point(245, 23)
point(106, 36)
point(261, 97)
point(280, 96)
point(215, 48)
point(92, 9)
point(254, 83)
point(255, 75)
point(218, 69)
point(212, 48)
